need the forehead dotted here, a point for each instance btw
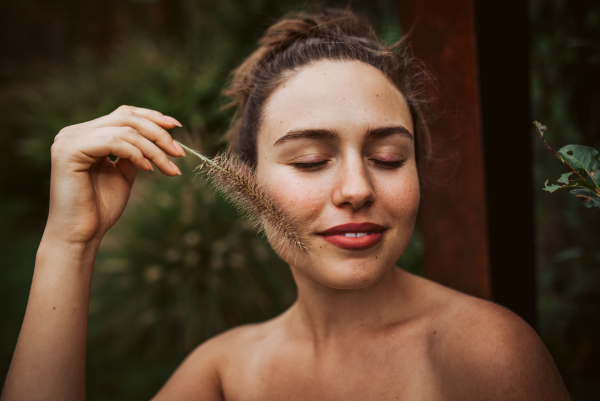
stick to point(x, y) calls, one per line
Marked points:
point(346, 96)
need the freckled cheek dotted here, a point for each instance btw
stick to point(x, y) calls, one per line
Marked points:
point(402, 197)
point(300, 198)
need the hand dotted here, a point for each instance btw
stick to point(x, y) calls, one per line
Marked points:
point(88, 192)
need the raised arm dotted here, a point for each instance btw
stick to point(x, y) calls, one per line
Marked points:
point(88, 193)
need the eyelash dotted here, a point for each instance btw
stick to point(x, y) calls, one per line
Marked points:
point(310, 166)
point(389, 165)
point(385, 164)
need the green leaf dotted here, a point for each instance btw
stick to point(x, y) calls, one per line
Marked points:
point(589, 198)
point(564, 182)
point(551, 188)
point(564, 178)
point(584, 160)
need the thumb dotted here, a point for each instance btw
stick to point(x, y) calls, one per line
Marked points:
point(127, 168)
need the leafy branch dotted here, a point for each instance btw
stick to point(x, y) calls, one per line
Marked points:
point(583, 162)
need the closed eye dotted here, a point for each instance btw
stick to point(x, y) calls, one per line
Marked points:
point(381, 163)
point(310, 166)
point(388, 164)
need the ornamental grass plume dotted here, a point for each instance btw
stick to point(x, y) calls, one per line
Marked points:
point(237, 182)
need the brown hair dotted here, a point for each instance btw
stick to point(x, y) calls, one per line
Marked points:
point(297, 41)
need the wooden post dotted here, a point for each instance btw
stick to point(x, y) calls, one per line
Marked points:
point(478, 238)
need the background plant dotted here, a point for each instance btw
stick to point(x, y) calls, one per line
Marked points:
point(583, 163)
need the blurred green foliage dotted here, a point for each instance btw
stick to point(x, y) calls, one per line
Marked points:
point(566, 97)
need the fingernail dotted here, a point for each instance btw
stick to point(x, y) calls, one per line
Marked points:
point(179, 149)
point(175, 168)
point(149, 165)
point(173, 121)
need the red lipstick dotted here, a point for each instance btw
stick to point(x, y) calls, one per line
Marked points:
point(341, 235)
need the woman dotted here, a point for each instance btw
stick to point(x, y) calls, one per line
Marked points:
point(330, 121)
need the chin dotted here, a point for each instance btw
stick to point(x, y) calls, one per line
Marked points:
point(350, 283)
point(346, 275)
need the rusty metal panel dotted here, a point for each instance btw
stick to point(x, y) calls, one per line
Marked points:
point(453, 210)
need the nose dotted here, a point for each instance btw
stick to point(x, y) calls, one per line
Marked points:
point(353, 186)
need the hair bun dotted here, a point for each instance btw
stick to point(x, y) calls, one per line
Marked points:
point(327, 24)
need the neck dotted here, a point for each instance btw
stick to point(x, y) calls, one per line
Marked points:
point(327, 314)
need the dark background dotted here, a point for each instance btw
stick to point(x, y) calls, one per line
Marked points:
point(180, 266)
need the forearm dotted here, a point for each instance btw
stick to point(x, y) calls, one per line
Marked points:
point(49, 359)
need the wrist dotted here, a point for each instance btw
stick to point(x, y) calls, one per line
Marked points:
point(72, 232)
point(56, 247)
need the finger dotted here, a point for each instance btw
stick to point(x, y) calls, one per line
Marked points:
point(158, 117)
point(86, 125)
point(153, 132)
point(152, 115)
point(146, 128)
point(148, 149)
point(98, 146)
point(127, 168)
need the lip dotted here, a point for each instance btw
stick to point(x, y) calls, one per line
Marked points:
point(334, 235)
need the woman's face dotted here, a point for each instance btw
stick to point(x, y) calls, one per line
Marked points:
point(336, 149)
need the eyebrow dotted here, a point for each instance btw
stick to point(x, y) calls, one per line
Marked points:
point(321, 134)
point(315, 134)
point(384, 132)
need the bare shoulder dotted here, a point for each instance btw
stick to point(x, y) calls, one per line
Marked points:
point(200, 372)
point(484, 351)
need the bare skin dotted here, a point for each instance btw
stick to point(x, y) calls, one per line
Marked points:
point(361, 329)
point(453, 347)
